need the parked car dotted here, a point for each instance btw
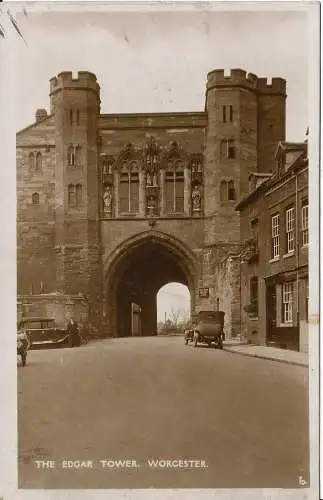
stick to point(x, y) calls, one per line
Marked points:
point(23, 345)
point(43, 332)
point(208, 329)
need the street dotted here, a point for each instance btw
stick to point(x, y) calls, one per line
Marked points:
point(212, 418)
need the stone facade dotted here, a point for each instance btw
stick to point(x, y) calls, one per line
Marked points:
point(112, 207)
point(274, 291)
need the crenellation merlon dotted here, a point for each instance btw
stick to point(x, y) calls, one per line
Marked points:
point(275, 86)
point(240, 78)
point(85, 79)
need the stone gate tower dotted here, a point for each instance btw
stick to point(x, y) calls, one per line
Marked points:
point(125, 203)
point(75, 107)
point(246, 119)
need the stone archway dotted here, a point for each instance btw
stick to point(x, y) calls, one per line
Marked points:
point(134, 273)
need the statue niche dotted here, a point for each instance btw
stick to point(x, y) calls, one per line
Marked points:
point(196, 198)
point(151, 163)
point(107, 169)
point(107, 200)
point(151, 167)
point(196, 169)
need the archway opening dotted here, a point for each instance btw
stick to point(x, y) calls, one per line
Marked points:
point(173, 308)
point(136, 275)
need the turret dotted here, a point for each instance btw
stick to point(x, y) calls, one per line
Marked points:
point(75, 104)
point(246, 119)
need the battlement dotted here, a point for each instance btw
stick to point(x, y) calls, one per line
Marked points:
point(65, 80)
point(275, 86)
point(240, 78)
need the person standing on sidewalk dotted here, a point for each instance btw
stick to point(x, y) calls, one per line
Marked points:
point(73, 333)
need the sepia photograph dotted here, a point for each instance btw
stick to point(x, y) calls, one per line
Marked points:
point(166, 217)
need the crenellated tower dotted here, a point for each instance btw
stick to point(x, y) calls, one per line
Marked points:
point(246, 119)
point(75, 104)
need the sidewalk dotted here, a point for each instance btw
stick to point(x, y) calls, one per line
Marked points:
point(272, 353)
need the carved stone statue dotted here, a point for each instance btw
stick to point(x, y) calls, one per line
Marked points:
point(149, 181)
point(196, 198)
point(107, 199)
point(151, 206)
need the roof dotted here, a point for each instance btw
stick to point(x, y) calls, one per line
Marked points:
point(251, 197)
point(260, 174)
point(290, 146)
point(36, 319)
point(35, 124)
point(300, 162)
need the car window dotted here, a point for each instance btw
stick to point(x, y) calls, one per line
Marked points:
point(35, 325)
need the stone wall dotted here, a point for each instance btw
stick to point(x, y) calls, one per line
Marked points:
point(59, 307)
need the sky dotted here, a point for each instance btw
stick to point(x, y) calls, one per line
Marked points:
point(158, 61)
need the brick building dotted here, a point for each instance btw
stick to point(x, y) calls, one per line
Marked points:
point(113, 207)
point(274, 256)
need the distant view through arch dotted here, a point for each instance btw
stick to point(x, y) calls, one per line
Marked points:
point(173, 308)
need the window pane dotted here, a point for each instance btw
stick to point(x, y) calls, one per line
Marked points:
point(35, 199)
point(134, 196)
point(31, 160)
point(224, 114)
point(38, 161)
point(288, 302)
point(290, 229)
point(275, 235)
point(224, 149)
point(124, 195)
point(231, 191)
point(179, 202)
point(169, 194)
point(231, 149)
point(71, 194)
point(223, 191)
point(78, 194)
point(77, 155)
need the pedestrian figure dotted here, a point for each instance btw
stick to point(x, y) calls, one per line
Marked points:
point(73, 333)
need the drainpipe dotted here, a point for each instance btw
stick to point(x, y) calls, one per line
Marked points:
point(297, 253)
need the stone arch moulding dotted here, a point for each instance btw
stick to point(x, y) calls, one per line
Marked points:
point(174, 152)
point(186, 258)
point(127, 154)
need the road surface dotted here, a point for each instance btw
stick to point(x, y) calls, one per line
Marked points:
point(151, 412)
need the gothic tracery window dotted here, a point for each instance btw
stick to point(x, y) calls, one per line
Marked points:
point(174, 187)
point(129, 188)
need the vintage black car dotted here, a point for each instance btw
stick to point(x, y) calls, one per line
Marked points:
point(43, 332)
point(207, 329)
